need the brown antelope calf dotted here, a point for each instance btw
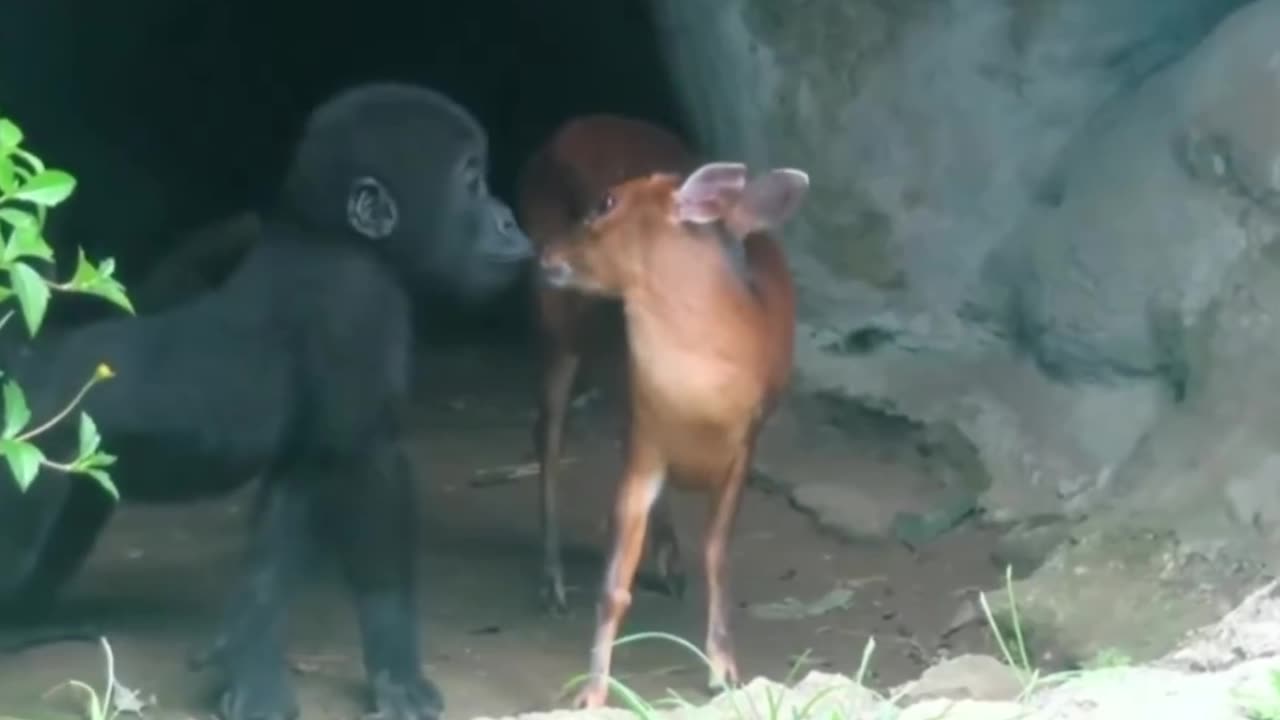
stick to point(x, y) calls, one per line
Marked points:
point(562, 181)
point(709, 307)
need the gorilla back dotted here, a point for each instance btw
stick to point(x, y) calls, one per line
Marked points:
point(296, 369)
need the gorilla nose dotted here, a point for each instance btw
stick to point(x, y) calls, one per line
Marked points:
point(519, 246)
point(512, 244)
point(555, 272)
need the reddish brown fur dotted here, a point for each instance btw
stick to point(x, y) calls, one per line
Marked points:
point(710, 351)
point(559, 185)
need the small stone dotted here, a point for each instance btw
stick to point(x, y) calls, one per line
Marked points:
point(967, 677)
point(818, 695)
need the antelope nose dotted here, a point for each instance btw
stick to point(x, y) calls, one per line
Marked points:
point(555, 272)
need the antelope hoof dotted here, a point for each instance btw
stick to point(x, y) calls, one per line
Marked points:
point(724, 673)
point(554, 598)
point(591, 697)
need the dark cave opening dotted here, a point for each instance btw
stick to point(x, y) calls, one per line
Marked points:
point(176, 115)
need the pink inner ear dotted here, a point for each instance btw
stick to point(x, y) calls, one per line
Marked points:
point(710, 191)
point(770, 200)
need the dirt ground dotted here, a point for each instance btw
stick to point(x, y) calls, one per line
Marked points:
point(159, 577)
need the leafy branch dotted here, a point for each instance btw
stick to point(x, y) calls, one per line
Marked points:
point(28, 190)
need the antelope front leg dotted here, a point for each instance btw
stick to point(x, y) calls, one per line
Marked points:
point(724, 511)
point(665, 549)
point(637, 492)
point(549, 436)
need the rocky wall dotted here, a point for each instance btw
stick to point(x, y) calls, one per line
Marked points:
point(1048, 224)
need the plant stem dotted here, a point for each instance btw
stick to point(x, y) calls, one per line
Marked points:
point(54, 465)
point(63, 413)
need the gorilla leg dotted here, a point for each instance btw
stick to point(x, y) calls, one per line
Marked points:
point(26, 521)
point(67, 546)
point(249, 646)
point(45, 535)
point(370, 515)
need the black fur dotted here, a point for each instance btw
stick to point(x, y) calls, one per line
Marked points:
point(294, 370)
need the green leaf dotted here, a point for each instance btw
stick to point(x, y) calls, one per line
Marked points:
point(98, 459)
point(18, 218)
point(10, 135)
point(102, 459)
point(112, 291)
point(16, 412)
point(24, 460)
point(47, 188)
point(37, 166)
point(8, 178)
point(104, 481)
point(26, 241)
point(97, 281)
point(85, 273)
point(89, 437)
point(33, 294)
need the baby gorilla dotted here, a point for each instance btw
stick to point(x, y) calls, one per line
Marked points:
point(296, 369)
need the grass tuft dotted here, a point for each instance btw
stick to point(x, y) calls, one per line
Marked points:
point(1262, 704)
point(97, 706)
point(1021, 665)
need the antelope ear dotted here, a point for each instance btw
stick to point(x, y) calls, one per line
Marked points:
point(769, 200)
point(710, 191)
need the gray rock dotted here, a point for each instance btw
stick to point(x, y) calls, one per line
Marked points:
point(817, 695)
point(940, 709)
point(1137, 244)
point(1116, 592)
point(1045, 225)
point(859, 472)
point(1128, 693)
point(926, 129)
point(848, 508)
point(1028, 545)
point(966, 677)
point(1249, 632)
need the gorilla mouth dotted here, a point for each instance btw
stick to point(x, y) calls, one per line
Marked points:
point(509, 256)
point(496, 269)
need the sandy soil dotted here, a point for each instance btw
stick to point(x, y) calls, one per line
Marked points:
point(158, 579)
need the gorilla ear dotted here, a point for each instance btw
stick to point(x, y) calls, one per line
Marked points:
point(371, 208)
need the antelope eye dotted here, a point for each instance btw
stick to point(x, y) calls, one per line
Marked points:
point(604, 206)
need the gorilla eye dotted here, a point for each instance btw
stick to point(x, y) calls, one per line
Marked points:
point(603, 207)
point(472, 177)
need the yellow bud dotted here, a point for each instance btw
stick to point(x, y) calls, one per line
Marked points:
point(104, 372)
